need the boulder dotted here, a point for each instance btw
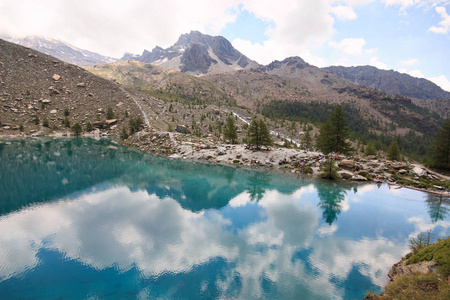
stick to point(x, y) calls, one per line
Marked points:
point(111, 121)
point(347, 164)
point(56, 77)
point(359, 178)
point(81, 84)
point(182, 129)
point(418, 171)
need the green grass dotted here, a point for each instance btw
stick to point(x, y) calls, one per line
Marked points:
point(439, 251)
point(429, 286)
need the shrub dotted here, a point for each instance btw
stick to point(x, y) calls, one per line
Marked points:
point(45, 122)
point(110, 113)
point(89, 127)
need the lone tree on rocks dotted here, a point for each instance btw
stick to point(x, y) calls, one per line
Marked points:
point(259, 134)
point(230, 130)
point(333, 138)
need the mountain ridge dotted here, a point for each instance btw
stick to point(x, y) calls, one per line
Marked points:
point(390, 81)
point(61, 50)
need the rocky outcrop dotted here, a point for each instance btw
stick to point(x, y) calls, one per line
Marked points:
point(401, 269)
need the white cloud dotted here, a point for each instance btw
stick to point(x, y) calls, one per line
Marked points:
point(374, 61)
point(409, 62)
point(344, 12)
point(299, 27)
point(114, 27)
point(444, 27)
point(351, 46)
point(442, 81)
point(401, 3)
point(416, 73)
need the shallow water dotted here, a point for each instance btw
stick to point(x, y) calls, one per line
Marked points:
point(91, 219)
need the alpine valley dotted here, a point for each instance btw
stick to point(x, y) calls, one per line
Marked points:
point(193, 85)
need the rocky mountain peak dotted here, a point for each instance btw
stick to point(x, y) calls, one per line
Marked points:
point(198, 54)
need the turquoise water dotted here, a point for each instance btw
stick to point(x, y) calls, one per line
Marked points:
point(86, 219)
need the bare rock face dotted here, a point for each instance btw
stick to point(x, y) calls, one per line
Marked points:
point(400, 268)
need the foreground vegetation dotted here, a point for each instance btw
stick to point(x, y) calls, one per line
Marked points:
point(434, 285)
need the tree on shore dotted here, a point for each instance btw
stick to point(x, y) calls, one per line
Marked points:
point(307, 139)
point(230, 130)
point(259, 134)
point(394, 151)
point(370, 149)
point(77, 129)
point(333, 138)
point(440, 149)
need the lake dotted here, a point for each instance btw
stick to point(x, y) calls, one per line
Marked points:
point(81, 218)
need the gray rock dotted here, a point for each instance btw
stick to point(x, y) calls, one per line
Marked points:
point(424, 267)
point(359, 178)
point(182, 129)
point(81, 84)
point(347, 163)
point(418, 171)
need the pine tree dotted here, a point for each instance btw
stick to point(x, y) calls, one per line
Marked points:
point(66, 122)
point(334, 133)
point(333, 137)
point(45, 122)
point(440, 149)
point(307, 140)
point(370, 149)
point(110, 113)
point(230, 130)
point(259, 134)
point(89, 127)
point(77, 129)
point(393, 151)
point(123, 134)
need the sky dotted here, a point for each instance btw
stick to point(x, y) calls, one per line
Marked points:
point(409, 36)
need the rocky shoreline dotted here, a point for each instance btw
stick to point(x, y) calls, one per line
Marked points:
point(287, 160)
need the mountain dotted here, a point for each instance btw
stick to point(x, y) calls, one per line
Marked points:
point(34, 86)
point(162, 83)
point(197, 54)
point(295, 89)
point(62, 50)
point(391, 82)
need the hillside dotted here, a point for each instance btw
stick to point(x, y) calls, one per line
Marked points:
point(34, 85)
point(390, 81)
point(162, 83)
point(197, 54)
point(280, 87)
